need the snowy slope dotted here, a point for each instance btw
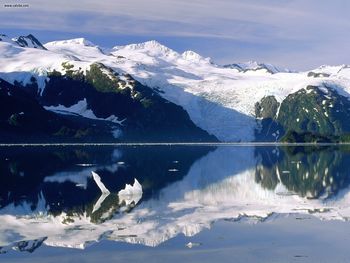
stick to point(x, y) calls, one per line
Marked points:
point(21, 63)
point(218, 99)
point(256, 66)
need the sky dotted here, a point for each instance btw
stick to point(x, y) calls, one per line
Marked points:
point(295, 34)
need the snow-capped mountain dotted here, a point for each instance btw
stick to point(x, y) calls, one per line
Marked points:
point(23, 41)
point(256, 66)
point(221, 100)
point(69, 85)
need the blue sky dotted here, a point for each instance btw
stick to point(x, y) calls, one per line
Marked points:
point(296, 34)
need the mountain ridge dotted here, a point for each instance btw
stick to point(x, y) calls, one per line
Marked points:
point(218, 99)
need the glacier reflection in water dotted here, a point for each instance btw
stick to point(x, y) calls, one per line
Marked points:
point(46, 198)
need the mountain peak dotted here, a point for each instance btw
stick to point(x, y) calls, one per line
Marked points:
point(192, 56)
point(75, 41)
point(28, 41)
point(330, 70)
point(255, 66)
point(23, 41)
point(151, 46)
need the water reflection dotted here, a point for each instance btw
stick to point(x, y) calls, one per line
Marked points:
point(49, 196)
point(311, 172)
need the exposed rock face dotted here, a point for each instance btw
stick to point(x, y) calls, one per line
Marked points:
point(319, 110)
point(313, 113)
point(267, 108)
point(23, 119)
point(126, 109)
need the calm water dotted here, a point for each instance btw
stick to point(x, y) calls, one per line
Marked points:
point(199, 203)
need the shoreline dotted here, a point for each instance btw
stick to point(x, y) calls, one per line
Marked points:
point(251, 144)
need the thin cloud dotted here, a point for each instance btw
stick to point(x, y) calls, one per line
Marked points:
point(287, 29)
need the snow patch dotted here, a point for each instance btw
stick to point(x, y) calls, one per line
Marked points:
point(81, 108)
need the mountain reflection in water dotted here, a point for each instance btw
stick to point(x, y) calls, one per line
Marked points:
point(48, 195)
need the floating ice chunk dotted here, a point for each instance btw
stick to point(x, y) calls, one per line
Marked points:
point(193, 244)
point(103, 189)
point(135, 189)
point(99, 183)
point(131, 193)
point(99, 202)
point(85, 164)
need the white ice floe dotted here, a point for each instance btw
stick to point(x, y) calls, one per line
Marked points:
point(99, 202)
point(104, 190)
point(134, 189)
point(193, 244)
point(99, 183)
point(85, 164)
point(131, 193)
